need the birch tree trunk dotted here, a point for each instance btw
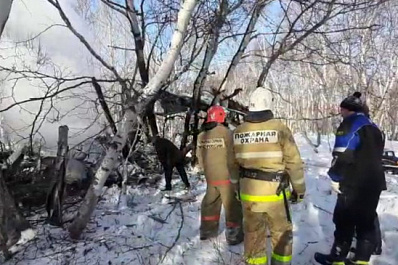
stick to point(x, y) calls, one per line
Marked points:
point(244, 43)
point(107, 165)
point(152, 88)
point(211, 50)
point(184, 16)
point(129, 119)
point(139, 42)
point(5, 9)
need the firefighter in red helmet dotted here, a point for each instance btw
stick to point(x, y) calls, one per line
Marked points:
point(216, 158)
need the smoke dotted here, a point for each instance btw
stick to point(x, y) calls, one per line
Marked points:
point(55, 52)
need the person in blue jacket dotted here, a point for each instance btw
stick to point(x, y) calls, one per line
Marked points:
point(378, 246)
point(358, 178)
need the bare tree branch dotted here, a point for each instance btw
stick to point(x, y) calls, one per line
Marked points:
point(104, 105)
point(244, 43)
point(57, 5)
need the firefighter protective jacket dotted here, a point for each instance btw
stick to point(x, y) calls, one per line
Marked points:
point(215, 154)
point(266, 144)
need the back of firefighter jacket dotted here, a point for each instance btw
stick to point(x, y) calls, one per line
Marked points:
point(215, 153)
point(267, 145)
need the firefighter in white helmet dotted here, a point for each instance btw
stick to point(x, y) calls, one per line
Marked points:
point(269, 159)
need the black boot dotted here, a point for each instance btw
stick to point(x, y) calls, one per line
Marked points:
point(363, 251)
point(208, 235)
point(337, 256)
point(378, 245)
point(166, 188)
point(377, 250)
point(234, 235)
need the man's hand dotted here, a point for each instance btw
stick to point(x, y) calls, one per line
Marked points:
point(235, 187)
point(237, 195)
point(335, 186)
point(296, 198)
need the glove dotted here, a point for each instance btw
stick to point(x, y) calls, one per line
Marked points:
point(335, 186)
point(237, 195)
point(296, 198)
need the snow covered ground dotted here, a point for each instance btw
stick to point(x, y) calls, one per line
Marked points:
point(151, 231)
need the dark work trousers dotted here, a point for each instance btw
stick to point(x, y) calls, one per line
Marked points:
point(168, 172)
point(378, 241)
point(356, 213)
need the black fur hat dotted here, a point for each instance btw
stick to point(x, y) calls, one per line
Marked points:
point(353, 102)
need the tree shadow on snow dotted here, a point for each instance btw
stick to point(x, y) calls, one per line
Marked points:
point(313, 225)
point(210, 251)
point(389, 233)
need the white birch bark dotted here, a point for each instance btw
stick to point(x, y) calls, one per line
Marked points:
point(130, 118)
point(107, 165)
point(19, 149)
point(184, 16)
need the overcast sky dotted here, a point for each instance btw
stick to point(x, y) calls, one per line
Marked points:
point(27, 19)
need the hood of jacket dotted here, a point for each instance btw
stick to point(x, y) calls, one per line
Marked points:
point(259, 116)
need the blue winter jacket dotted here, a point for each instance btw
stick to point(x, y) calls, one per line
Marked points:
point(357, 155)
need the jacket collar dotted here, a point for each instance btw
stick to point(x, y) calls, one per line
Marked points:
point(259, 116)
point(209, 126)
point(352, 116)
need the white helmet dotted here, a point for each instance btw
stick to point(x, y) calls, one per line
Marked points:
point(261, 99)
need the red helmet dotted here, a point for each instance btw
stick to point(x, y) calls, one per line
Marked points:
point(216, 114)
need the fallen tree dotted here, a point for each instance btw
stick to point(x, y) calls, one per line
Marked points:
point(131, 118)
